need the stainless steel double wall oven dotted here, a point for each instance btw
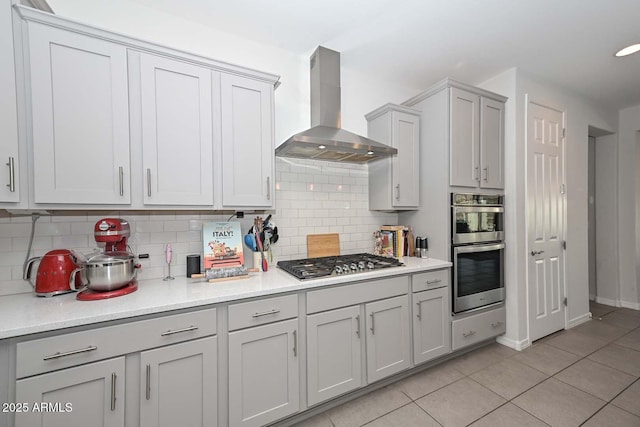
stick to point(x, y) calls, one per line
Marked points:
point(477, 250)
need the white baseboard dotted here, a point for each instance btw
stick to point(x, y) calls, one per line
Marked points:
point(579, 320)
point(631, 305)
point(516, 345)
point(607, 301)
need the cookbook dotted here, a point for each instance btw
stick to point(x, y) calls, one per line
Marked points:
point(222, 244)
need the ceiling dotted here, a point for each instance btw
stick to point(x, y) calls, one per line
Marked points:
point(417, 42)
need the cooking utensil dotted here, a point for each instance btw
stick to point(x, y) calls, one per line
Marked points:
point(221, 273)
point(168, 254)
point(59, 272)
point(319, 245)
point(257, 226)
point(109, 271)
point(250, 241)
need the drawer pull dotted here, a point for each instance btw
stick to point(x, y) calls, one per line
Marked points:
point(434, 282)
point(266, 313)
point(114, 377)
point(70, 353)
point(295, 343)
point(148, 384)
point(178, 331)
point(496, 324)
point(468, 334)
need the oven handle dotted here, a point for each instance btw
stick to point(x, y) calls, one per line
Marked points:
point(478, 248)
point(478, 209)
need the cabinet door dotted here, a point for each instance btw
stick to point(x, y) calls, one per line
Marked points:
point(431, 324)
point(388, 347)
point(333, 353)
point(179, 384)
point(80, 112)
point(406, 173)
point(86, 395)
point(177, 125)
point(464, 133)
point(492, 143)
point(263, 373)
point(247, 142)
point(9, 165)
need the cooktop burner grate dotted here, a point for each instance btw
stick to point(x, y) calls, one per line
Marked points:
point(313, 268)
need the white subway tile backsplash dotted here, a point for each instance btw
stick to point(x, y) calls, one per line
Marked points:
point(311, 197)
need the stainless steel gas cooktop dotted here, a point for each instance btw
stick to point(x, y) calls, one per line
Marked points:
point(313, 268)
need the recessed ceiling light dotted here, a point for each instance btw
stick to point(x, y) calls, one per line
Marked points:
point(322, 147)
point(370, 153)
point(628, 50)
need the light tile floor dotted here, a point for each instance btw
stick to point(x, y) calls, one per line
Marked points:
point(588, 375)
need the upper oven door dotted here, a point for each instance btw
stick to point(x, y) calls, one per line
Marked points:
point(476, 224)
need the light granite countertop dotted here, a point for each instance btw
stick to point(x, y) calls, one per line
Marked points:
point(25, 314)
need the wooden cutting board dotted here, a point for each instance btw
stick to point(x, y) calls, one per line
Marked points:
point(323, 245)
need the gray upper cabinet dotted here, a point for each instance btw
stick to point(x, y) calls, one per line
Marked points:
point(80, 118)
point(394, 182)
point(177, 131)
point(9, 149)
point(476, 140)
point(247, 142)
point(118, 121)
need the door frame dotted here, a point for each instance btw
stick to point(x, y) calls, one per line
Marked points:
point(528, 100)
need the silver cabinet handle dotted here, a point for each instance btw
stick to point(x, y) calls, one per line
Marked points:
point(121, 179)
point(266, 313)
point(433, 282)
point(534, 253)
point(295, 343)
point(268, 188)
point(496, 324)
point(70, 353)
point(398, 192)
point(114, 377)
point(486, 174)
point(419, 315)
point(178, 331)
point(358, 326)
point(468, 334)
point(148, 389)
point(373, 328)
point(12, 175)
point(477, 175)
point(148, 182)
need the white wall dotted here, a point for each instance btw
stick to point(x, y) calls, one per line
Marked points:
point(629, 196)
point(606, 158)
point(579, 115)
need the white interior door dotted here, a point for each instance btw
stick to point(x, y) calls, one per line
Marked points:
point(545, 220)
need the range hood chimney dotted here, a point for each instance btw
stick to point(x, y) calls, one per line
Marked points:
point(326, 140)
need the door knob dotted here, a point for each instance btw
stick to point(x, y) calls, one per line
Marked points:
point(534, 253)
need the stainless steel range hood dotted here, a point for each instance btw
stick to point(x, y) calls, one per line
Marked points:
point(326, 140)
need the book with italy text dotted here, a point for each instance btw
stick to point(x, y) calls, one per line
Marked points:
point(397, 233)
point(222, 244)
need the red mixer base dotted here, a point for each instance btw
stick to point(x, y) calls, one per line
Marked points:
point(90, 295)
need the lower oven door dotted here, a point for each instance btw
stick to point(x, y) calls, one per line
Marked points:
point(478, 275)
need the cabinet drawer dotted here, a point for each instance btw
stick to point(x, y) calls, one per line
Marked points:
point(262, 311)
point(62, 351)
point(430, 280)
point(477, 328)
point(345, 295)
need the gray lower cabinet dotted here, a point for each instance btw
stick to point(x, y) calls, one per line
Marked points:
point(178, 385)
point(334, 350)
point(474, 328)
point(431, 336)
point(387, 329)
point(263, 373)
point(91, 394)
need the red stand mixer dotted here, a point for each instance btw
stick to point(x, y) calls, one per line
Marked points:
point(110, 273)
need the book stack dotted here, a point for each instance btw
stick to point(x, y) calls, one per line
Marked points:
point(393, 240)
